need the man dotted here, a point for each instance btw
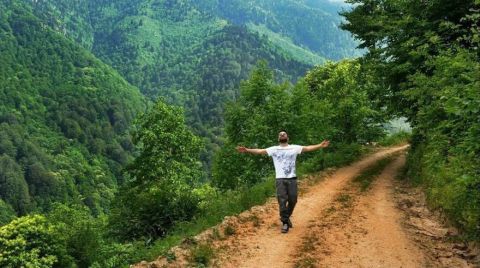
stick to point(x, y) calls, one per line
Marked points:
point(284, 157)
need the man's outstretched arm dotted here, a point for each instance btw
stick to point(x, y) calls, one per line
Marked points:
point(242, 149)
point(315, 147)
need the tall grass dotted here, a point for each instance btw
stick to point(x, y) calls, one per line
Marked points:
point(396, 138)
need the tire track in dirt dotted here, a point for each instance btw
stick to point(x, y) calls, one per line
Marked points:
point(363, 230)
point(390, 225)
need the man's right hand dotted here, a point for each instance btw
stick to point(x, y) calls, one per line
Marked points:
point(241, 149)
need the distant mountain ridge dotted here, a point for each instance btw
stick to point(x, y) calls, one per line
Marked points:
point(311, 24)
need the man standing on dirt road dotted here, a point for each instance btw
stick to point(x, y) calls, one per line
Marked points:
point(284, 156)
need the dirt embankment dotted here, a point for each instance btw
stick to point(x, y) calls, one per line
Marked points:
point(336, 224)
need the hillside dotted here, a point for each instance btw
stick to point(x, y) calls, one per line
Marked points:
point(309, 24)
point(178, 49)
point(64, 117)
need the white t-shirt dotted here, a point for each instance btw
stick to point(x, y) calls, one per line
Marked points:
point(284, 159)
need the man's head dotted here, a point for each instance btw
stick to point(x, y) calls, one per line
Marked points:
point(282, 137)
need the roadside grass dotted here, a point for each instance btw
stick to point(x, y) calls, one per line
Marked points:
point(309, 242)
point(201, 255)
point(254, 219)
point(396, 138)
point(221, 205)
point(229, 230)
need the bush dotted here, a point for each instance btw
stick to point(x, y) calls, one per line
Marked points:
point(445, 149)
point(81, 232)
point(32, 241)
point(202, 254)
point(396, 138)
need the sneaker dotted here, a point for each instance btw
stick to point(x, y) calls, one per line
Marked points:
point(285, 228)
point(289, 223)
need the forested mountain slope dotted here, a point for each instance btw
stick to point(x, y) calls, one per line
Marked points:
point(195, 53)
point(312, 24)
point(64, 117)
point(65, 113)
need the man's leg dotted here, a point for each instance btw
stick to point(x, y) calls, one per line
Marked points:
point(282, 198)
point(292, 193)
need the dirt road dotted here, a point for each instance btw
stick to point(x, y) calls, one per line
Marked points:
point(336, 224)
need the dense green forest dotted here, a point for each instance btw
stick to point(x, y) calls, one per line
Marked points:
point(309, 24)
point(192, 57)
point(195, 53)
point(163, 190)
point(64, 118)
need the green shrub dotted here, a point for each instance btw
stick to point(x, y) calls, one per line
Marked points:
point(163, 176)
point(445, 149)
point(31, 241)
point(202, 254)
point(396, 138)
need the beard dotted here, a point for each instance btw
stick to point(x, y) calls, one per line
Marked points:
point(283, 140)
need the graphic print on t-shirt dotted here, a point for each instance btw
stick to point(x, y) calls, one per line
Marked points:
point(284, 159)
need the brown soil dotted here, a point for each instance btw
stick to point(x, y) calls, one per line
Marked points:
point(335, 225)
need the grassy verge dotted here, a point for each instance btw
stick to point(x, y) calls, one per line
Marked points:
point(397, 138)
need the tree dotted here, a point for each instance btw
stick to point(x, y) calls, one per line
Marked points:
point(162, 175)
point(6, 213)
point(446, 149)
point(401, 35)
point(247, 123)
point(31, 241)
point(13, 187)
point(427, 53)
point(342, 88)
point(330, 102)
